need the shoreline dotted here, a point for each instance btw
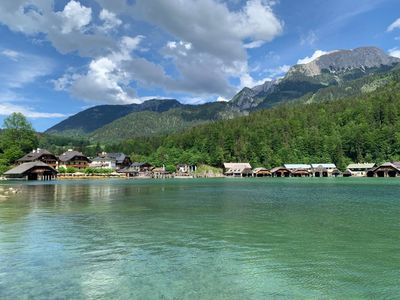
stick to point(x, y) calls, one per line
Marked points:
point(104, 178)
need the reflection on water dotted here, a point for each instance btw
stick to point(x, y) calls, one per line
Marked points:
point(228, 239)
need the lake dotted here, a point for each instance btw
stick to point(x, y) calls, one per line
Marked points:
point(307, 238)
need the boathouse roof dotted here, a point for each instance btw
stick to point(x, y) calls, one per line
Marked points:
point(26, 167)
point(297, 166)
point(395, 165)
point(280, 168)
point(361, 166)
point(237, 166)
point(323, 166)
point(260, 169)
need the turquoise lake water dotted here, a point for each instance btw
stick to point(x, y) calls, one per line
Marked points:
point(202, 239)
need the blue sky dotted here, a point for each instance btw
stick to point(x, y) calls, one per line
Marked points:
point(59, 57)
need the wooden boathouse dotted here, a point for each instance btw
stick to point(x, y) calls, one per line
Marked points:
point(389, 169)
point(37, 170)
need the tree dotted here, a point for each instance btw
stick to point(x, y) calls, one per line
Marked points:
point(17, 138)
point(18, 133)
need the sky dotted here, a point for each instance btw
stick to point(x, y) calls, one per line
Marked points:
point(58, 57)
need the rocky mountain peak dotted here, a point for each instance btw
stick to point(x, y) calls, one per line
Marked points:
point(345, 60)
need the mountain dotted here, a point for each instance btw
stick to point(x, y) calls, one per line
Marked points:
point(250, 98)
point(336, 68)
point(151, 123)
point(339, 62)
point(96, 117)
point(335, 75)
point(353, 129)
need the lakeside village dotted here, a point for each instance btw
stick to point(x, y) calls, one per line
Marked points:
point(40, 164)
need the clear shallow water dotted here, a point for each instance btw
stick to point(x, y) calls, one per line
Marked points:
point(202, 239)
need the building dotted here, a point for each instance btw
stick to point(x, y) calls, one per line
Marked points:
point(388, 169)
point(299, 170)
point(358, 170)
point(261, 172)
point(325, 170)
point(141, 167)
point(138, 169)
point(280, 172)
point(73, 159)
point(160, 173)
point(103, 163)
point(39, 155)
point(36, 170)
point(121, 159)
point(184, 169)
point(115, 161)
point(238, 170)
point(129, 172)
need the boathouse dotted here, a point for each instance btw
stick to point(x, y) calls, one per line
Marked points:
point(73, 159)
point(261, 172)
point(389, 169)
point(141, 167)
point(39, 155)
point(238, 170)
point(325, 170)
point(299, 170)
point(37, 170)
point(280, 172)
point(160, 173)
point(129, 172)
point(358, 170)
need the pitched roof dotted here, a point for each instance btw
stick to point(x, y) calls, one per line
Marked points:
point(361, 166)
point(260, 169)
point(23, 168)
point(140, 164)
point(67, 156)
point(324, 166)
point(127, 170)
point(278, 168)
point(237, 165)
point(99, 158)
point(34, 155)
point(297, 166)
point(395, 165)
point(119, 157)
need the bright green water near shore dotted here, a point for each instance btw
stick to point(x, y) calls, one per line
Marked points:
point(202, 239)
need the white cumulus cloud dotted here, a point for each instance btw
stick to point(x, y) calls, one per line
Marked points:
point(394, 25)
point(395, 52)
point(106, 80)
point(110, 20)
point(75, 16)
point(315, 55)
point(209, 40)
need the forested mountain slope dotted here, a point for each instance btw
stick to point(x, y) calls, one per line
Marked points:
point(359, 129)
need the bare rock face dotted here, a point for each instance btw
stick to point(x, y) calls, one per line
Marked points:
point(345, 60)
point(249, 98)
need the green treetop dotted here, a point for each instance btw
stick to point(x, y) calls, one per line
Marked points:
point(17, 138)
